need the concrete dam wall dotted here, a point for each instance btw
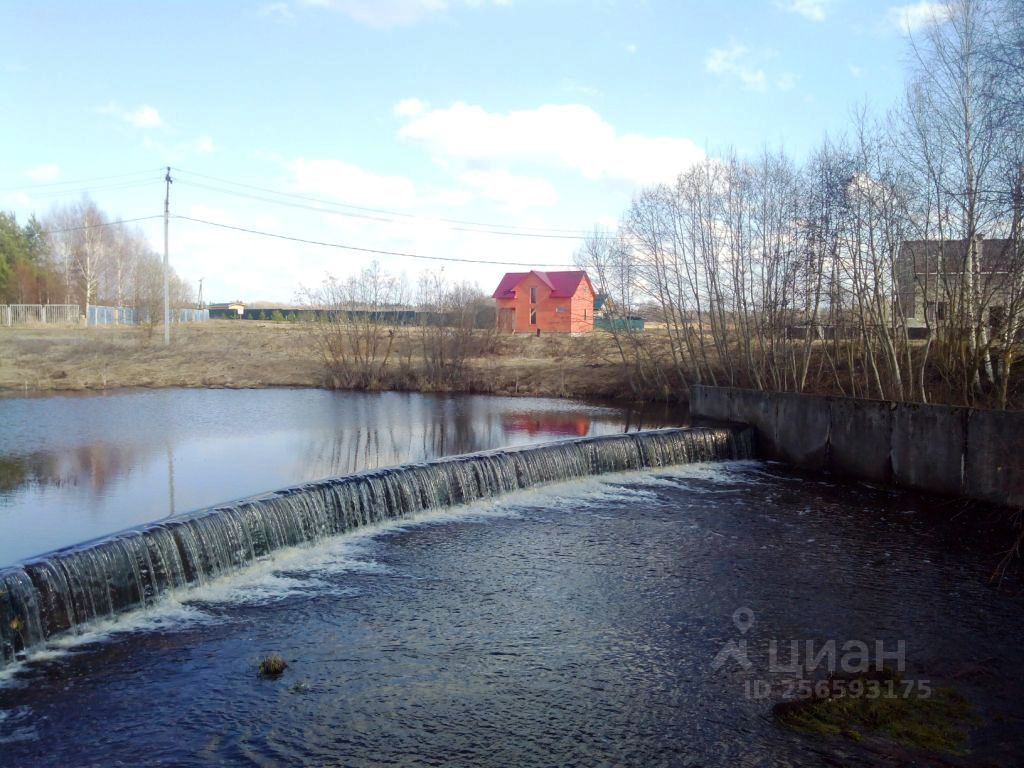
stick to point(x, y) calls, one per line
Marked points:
point(977, 454)
point(65, 591)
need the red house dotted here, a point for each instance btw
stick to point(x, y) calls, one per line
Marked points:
point(551, 302)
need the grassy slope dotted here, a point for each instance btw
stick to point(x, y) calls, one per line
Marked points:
point(259, 354)
point(218, 354)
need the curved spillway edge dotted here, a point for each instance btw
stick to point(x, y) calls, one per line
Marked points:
point(64, 591)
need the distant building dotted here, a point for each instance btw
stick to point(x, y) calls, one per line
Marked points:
point(229, 309)
point(607, 320)
point(929, 276)
point(549, 302)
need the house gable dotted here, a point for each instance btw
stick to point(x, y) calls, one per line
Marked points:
point(556, 302)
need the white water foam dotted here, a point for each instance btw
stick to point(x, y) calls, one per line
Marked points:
point(294, 571)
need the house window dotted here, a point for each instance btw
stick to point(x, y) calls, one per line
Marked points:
point(935, 310)
point(560, 310)
point(533, 295)
point(997, 318)
point(584, 314)
point(533, 317)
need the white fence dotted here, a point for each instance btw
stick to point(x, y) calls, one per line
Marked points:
point(189, 315)
point(60, 313)
point(42, 314)
point(131, 316)
point(68, 314)
point(110, 315)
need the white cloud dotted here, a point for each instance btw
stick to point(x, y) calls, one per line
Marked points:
point(17, 200)
point(856, 71)
point(234, 265)
point(734, 61)
point(168, 143)
point(915, 16)
point(277, 11)
point(517, 193)
point(145, 116)
point(44, 173)
point(410, 107)
point(631, 48)
point(394, 13)
point(345, 182)
point(815, 10)
point(570, 136)
point(253, 267)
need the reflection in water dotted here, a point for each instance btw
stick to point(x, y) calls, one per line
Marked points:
point(92, 466)
point(170, 480)
point(13, 472)
point(75, 468)
point(547, 424)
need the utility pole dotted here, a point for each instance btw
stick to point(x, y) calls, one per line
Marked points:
point(200, 302)
point(167, 266)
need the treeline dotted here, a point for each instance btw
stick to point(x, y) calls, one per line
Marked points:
point(444, 325)
point(77, 254)
point(813, 276)
point(24, 273)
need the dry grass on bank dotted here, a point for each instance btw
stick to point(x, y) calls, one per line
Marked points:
point(214, 354)
point(553, 365)
point(226, 353)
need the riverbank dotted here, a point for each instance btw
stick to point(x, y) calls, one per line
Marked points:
point(236, 354)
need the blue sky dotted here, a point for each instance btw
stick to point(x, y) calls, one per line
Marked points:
point(545, 114)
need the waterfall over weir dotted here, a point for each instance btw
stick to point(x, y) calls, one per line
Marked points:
point(60, 592)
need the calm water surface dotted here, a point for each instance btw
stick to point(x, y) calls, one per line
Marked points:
point(573, 626)
point(73, 468)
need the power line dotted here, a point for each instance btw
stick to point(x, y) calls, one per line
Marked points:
point(371, 217)
point(492, 228)
point(101, 225)
point(376, 251)
point(384, 211)
point(81, 181)
point(320, 205)
point(102, 188)
point(285, 202)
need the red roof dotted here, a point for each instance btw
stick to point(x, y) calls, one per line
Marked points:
point(563, 285)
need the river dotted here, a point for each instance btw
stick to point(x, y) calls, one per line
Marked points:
point(73, 468)
point(589, 622)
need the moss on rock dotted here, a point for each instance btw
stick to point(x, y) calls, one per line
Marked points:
point(882, 704)
point(273, 666)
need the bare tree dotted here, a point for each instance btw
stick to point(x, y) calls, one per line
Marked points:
point(355, 328)
point(765, 274)
point(453, 328)
point(958, 142)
